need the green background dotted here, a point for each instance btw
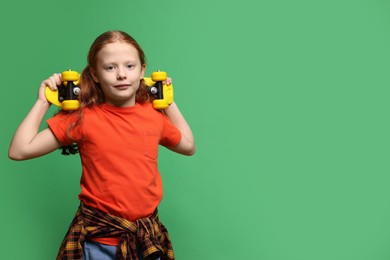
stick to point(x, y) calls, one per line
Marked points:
point(288, 102)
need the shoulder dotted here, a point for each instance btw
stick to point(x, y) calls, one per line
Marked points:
point(65, 115)
point(148, 108)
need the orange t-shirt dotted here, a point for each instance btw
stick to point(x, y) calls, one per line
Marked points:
point(118, 148)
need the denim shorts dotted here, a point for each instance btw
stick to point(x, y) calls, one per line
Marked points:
point(96, 251)
point(93, 250)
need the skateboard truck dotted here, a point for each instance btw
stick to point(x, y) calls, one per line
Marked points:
point(162, 93)
point(67, 93)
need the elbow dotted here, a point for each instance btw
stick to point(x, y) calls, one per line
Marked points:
point(191, 151)
point(16, 155)
point(184, 147)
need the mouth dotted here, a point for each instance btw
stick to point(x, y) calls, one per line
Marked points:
point(122, 86)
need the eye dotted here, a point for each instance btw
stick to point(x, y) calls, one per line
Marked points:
point(109, 68)
point(130, 66)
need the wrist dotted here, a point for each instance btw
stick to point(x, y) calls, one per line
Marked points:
point(43, 103)
point(170, 106)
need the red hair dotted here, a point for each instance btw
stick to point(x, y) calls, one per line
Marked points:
point(90, 92)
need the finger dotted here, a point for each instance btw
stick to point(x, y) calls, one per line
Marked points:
point(50, 83)
point(57, 77)
point(168, 81)
point(54, 81)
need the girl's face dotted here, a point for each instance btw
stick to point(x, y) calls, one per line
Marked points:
point(119, 71)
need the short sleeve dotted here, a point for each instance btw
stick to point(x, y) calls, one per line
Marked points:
point(61, 124)
point(171, 136)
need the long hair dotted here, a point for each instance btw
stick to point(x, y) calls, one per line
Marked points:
point(91, 93)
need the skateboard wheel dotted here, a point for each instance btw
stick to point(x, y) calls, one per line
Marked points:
point(70, 104)
point(70, 75)
point(159, 76)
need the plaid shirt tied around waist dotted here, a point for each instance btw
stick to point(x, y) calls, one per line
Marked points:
point(149, 234)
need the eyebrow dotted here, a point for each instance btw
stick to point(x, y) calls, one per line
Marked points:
point(115, 62)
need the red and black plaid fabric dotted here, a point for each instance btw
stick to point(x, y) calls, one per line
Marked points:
point(149, 234)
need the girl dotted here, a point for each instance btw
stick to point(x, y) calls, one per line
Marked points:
point(117, 132)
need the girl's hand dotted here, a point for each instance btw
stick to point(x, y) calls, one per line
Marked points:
point(53, 82)
point(168, 81)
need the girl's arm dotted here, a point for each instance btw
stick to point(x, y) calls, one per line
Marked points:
point(186, 145)
point(27, 142)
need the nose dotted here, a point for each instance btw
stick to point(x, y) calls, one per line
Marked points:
point(121, 74)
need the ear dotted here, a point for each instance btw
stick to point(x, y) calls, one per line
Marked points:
point(91, 71)
point(143, 71)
